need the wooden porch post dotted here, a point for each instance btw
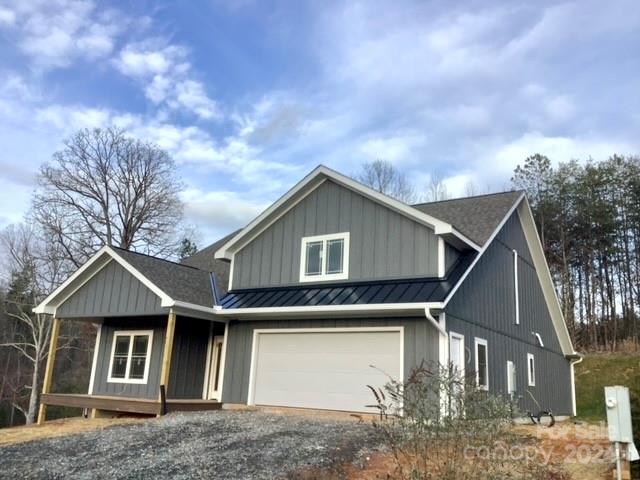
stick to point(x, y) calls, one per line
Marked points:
point(48, 373)
point(168, 348)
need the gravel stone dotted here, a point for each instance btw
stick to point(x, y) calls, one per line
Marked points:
point(220, 444)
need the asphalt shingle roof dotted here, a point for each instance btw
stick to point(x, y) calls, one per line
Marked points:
point(180, 282)
point(205, 260)
point(476, 217)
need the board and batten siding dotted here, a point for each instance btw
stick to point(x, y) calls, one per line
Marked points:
point(189, 357)
point(101, 385)
point(420, 344)
point(383, 243)
point(112, 292)
point(484, 307)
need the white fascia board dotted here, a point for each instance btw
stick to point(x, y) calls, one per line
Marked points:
point(44, 306)
point(544, 277)
point(438, 226)
point(330, 309)
point(49, 304)
point(484, 248)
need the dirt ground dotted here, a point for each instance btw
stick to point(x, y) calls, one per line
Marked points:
point(60, 428)
point(580, 451)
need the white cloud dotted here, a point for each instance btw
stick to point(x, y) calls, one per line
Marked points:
point(7, 17)
point(166, 75)
point(53, 34)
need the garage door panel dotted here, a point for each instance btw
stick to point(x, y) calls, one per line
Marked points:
point(328, 370)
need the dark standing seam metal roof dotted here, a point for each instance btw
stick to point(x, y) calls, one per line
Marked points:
point(180, 282)
point(476, 217)
point(351, 293)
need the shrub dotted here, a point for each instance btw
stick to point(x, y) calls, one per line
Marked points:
point(439, 425)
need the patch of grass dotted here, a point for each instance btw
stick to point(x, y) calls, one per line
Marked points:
point(600, 370)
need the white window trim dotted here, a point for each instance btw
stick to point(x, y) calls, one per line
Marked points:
point(481, 341)
point(325, 276)
point(130, 333)
point(511, 389)
point(515, 284)
point(531, 379)
point(267, 331)
point(539, 338)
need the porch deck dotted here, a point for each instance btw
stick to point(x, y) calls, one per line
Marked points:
point(127, 405)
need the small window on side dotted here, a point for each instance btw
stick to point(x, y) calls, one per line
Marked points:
point(531, 370)
point(482, 364)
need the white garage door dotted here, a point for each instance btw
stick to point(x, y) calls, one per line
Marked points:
point(326, 369)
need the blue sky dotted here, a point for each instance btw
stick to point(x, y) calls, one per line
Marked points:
point(248, 96)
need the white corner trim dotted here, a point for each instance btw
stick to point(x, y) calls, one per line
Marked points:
point(481, 341)
point(324, 276)
point(265, 331)
point(531, 379)
point(516, 287)
point(318, 175)
point(94, 361)
point(131, 334)
point(441, 258)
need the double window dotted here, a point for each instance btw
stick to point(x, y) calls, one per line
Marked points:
point(130, 354)
point(482, 364)
point(325, 257)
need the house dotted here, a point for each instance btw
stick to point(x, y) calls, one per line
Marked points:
point(296, 308)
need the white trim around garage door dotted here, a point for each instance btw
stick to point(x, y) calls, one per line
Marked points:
point(260, 331)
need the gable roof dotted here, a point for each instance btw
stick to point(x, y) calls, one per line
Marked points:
point(175, 284)
point(182, 283)
point(312, 181)
point(476, 217)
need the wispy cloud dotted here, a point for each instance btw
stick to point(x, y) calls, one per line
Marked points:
point(167, 77)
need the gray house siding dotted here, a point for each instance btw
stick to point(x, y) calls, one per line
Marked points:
point(420, 344)
point(189, 358)
point(383, 243)
point(451, 255)
point(484, 306)
point(149, 390)
point(112, 292)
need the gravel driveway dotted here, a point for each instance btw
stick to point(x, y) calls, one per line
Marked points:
point(220, 444)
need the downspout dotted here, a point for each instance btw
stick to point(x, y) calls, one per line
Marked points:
point(434, 322)
point(574, 361)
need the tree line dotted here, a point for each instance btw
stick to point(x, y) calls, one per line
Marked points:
point(588, 218)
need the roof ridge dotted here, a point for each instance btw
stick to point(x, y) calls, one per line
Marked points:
point(157, 258)
point(466, 198)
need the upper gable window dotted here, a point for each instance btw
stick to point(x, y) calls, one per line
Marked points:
point(325, 257)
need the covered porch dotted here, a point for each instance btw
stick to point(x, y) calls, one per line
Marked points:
point(159, 346)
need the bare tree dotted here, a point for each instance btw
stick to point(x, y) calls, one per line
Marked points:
point(436, 189)
point(31, 332)
point(383, 176)
point(104, 187)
